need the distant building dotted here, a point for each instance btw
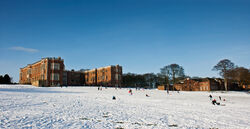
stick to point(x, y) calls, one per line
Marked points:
point(50, 72)
point(91, 77)
point(73, 78)
point(46, 72)
point(246, 87)
point(105, 76)
point(162, 87)
point(206, 84)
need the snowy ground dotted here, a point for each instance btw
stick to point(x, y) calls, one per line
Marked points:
point(86, 107)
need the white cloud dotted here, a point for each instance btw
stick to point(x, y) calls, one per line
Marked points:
point(31, 50)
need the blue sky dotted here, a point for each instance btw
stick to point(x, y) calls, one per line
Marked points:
point(141, 35)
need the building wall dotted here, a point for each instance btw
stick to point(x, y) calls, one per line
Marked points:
point(179, 86)
point(188, 85)
point(24, 77)
point(206, 84)
point(34, 72)
point(39, 73)
point(52, 71)
point(161, 87)
point(246, 87)
point(116, 76)
point(91, 77)
point(105, 76)
point(192, 85)
point(73, 78)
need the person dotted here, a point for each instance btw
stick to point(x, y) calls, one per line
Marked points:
point(210, 97)
point(114, 98)
point(130, 91)
point(214, 102)
point(219, 97)
point(147, 95)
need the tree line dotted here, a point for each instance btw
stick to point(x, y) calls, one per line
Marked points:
point(168, 75)
point(232, 73)
point(6, 79)
point(174, 73)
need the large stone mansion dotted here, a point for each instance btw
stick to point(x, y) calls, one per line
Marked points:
point(51, 72)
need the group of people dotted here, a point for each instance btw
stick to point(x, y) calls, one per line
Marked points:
point(214, 102)
point(129, 91)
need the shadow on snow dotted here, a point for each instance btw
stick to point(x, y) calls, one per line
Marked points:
point(35, 90)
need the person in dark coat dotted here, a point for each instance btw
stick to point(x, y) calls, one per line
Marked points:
point(130, 91)
point(214, 102)
point(210, 97)
point(219, 97)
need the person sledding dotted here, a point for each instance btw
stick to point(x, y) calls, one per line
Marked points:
point(214, 102)
point(130, 91)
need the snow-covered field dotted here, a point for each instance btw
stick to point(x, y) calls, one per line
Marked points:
point(86, 107)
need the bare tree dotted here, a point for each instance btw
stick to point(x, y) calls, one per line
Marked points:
point(224, 66)
point(240, 74)
point(173, 71)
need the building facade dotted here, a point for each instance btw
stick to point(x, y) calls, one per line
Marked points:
point(46, 72)
point(73, 78)
point(206, 84)
point(91, 77)
point(51, 72)
point(105, 76)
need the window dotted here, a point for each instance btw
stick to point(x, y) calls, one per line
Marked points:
point(43, 67)
point(55, 66)
point(55, 76)
point(116, 77)
point(29, 71)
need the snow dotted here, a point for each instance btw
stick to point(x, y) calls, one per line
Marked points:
point(24, 106)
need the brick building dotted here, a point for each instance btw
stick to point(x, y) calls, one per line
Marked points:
point(162, 87)
point(50, 72)
point(246, 87)
point(46, 72)
point(91, 77)
point(73, 78)
point(105, 76)
point(206, 84)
